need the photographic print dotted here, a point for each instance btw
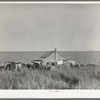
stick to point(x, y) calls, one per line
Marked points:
point(49, 46)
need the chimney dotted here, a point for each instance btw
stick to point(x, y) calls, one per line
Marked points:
point(56, 54)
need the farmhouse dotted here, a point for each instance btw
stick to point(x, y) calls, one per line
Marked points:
point(54, 57)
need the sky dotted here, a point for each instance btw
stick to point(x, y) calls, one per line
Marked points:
point(43, 27)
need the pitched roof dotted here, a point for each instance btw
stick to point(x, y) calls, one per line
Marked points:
point(53, 56)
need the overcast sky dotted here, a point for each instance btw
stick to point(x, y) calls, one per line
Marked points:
point(32, 27)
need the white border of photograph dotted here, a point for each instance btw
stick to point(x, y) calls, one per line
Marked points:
point(49, 93)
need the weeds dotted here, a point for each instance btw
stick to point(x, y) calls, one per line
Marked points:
point(64, 78)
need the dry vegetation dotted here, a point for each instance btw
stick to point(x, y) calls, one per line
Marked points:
point(82, 77)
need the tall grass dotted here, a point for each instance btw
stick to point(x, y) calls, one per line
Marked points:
point(62, 78)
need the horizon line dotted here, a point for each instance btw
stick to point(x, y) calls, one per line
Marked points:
point(50, 50)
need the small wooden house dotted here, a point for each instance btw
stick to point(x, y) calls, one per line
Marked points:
point(54, 57)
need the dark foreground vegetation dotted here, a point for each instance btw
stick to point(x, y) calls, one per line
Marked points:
point(82, 77)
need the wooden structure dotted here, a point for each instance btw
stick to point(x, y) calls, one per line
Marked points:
point(53, 57)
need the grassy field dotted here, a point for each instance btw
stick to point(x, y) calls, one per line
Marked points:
point(83, 77)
